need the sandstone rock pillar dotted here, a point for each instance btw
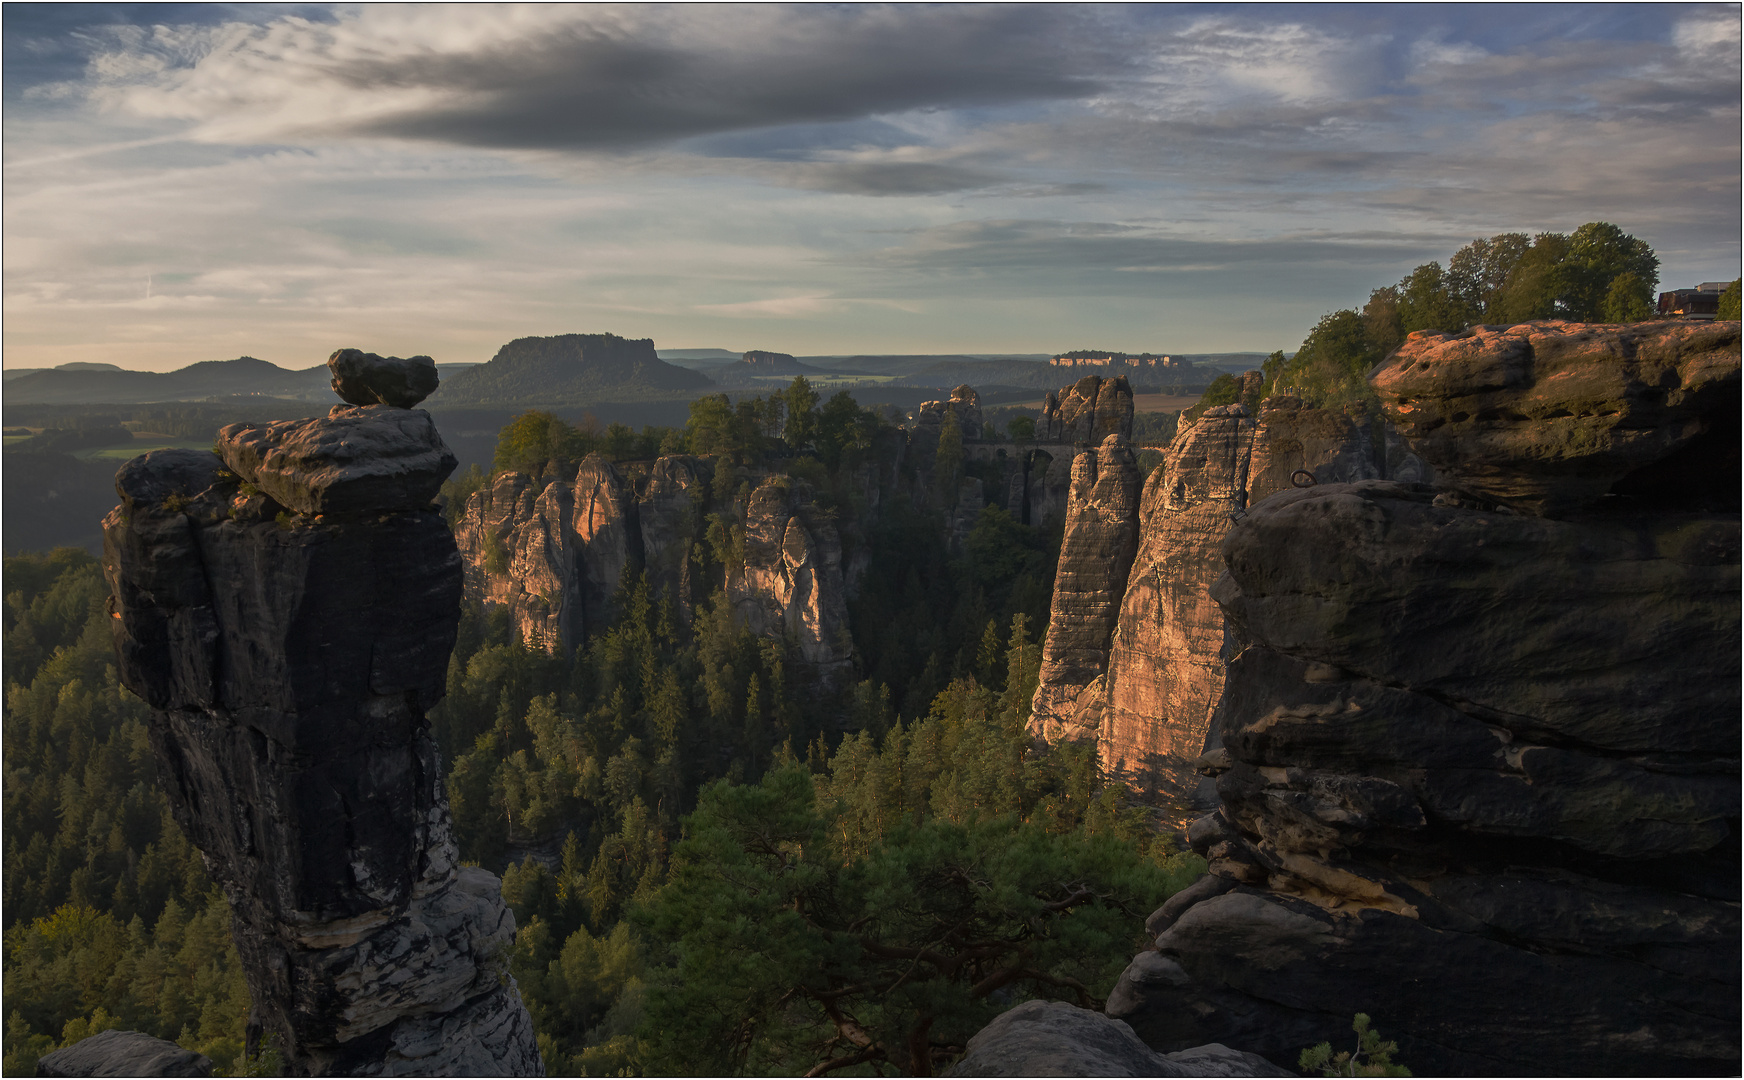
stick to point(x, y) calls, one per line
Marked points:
point(1095, 556)
point(288, 612)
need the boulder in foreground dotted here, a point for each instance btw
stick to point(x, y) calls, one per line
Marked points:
point(124, 1053)
point(1052, 1038)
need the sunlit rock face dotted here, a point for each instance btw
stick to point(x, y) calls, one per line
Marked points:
point(1087, 412)
point(1164, 666)
point(1476, 760)
point(1096, 553)
point(554, 551)
point(791, 580)
point(556, 556)
point(289, 659)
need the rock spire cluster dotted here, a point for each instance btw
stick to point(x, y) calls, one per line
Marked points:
point(1476, 762)
point(286, 607)
point(1134, 654)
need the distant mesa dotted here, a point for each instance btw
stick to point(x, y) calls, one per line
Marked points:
point(568, 369)
point(775, 363)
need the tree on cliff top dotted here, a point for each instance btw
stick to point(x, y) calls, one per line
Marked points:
point(1729, 306)
point(1597, 273)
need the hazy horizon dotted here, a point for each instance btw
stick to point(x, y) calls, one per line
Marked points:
point(193, 182)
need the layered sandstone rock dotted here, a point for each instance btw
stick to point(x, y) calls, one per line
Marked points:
point(1087, 412)
point(289, 662)
point(1165, 668)
point(1549, 416)
point(1043, 488)
point(354, 460)
point(1096, 553)
point(555, 552)
point(124, 1053)
point(666, 520)
point(791, 581)
point(1479, 769)
point(606, 533)
point(516, 540)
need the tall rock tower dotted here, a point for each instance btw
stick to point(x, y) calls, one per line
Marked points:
point(287, 611)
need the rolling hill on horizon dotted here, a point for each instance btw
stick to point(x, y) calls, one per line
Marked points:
point(105, 384)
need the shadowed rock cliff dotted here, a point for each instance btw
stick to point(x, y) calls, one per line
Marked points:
point(289, 661)
point(1479, 768)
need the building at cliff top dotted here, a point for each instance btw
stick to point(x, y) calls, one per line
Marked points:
point(1701, 302)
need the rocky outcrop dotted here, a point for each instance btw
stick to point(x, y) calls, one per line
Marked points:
point(1545, 417)
point(556, 555)
point(1096, 554)
point(1087, 412)
point(666, 519)
point(1294, 445)
point(964, 402)
point(516, 540)
point(1166, 658)
point(554, 552)
point(289, 661)
point(791, 580)
point(1166, 655)
point(354, 460)
point(1478, 769)
point(971, 500)
point(1052, 1038)
point(763, 362)
point(606, 533)
point(124, 1053)
point(361, 378)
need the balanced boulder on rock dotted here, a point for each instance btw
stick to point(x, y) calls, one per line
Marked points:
point(362, 378)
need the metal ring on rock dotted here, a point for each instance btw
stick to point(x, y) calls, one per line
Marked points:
point(1302, 478)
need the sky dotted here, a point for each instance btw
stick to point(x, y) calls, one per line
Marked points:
point(188, 182)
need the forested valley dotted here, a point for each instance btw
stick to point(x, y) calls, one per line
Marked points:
point(713, 863)
point(715, 867)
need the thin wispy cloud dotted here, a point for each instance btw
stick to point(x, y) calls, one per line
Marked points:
point(983, 177)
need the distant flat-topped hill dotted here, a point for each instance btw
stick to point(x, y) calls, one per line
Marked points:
point(568, 368)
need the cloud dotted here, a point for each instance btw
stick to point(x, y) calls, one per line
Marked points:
point(781, 307)
point(588, 79)
point(898, 177)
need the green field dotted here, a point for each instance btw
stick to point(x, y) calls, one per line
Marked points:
point(140, 446)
